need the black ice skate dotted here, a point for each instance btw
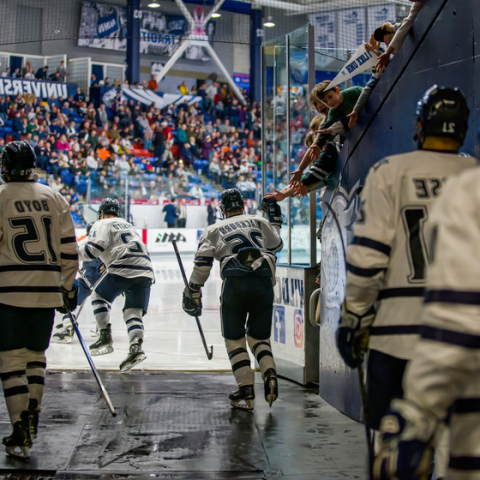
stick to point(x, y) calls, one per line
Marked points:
point(243, 397)
point(135, 356)
point(271, 386)
point(19, 442)
point(104, 344)
point(63, 336)
point(34, 417)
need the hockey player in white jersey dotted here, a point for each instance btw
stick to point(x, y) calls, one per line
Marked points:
point(442, 383)
point(117, 244)
point(38, 261)
point(387, 258)
point(245, 246)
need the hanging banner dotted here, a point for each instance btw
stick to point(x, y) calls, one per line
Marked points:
point(41, 89)
point(325, 30)
point(105, 26)
point(361, 60)
point(351, 28)
point(379, 15)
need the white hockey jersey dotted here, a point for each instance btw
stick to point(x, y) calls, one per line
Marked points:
point(386, 262)
point(223, 240)
point(119, 247)
point(38, 246)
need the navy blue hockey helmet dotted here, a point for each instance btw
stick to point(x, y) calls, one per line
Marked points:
point(109, 206)
point(443, 112)
point(18, 159)
point(231, 199)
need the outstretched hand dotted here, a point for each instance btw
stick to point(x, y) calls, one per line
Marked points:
point(278, 195)
point(296, 176)
point(382, 62)
point(301, 190)
point(353, 119)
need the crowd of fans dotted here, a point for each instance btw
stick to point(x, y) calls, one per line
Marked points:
point(128, 149)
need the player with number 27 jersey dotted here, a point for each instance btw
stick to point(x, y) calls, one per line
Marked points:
point(386, 262)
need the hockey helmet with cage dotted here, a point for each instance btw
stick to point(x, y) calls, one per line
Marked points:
point(231, 199)
point(18, 160)
point(443, 112)
point(109, 206)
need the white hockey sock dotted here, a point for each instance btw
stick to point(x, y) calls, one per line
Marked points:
point(14, 381)
point(37, 363)
point(263, 353)
point(238, 355)
point(134, 322)
point(101, 310)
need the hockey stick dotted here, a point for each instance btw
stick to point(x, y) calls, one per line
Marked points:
point(363, 393)
point(104, 392)
point(185, 281)
point(90, 286)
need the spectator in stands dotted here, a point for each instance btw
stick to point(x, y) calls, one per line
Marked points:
point(79, 97)
point(400, 35)
point(62, 72)
point(212, 212)
point(2, 144)
point(93, 81)
point(6, 73)
point(101, 118)
point(152, 83)
point(196, 192)
point(17, 126)
point(168, 139)
point(182, 213)
point(183, 88)
point(42, 73)
point(57, 185)
point(123, 167)
point(170, 213)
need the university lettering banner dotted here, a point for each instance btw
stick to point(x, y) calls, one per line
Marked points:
point(41, 89)
point(360, 62)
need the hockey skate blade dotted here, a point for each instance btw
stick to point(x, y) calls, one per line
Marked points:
point(127, 367)
point(271, 397)
point(57, 339)
point(18, 452)
point(95, 352)
point(242, 404)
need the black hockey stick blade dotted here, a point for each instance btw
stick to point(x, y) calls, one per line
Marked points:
point(363, 395)
point(185, 281)
point(90, 361)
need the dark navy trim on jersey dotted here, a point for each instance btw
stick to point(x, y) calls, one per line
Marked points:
point(20, 390)
point(36, 365)
point(452, 296)
point(96, 245)
point(396, 330)
point(464, 463)
point(364, 272)
point(101, 310)
point(401, 292)
point(131, 267)
point(240, 364)
point(236, 352)
point(132, 255)
point(16, 373)
point(203, 261)
point(135, 327)
point(23, 289)
point(36, 379)
point(466, 405)
point(373, 244)
point(30, 268)
point(451, 337)
point(69, 256)
point(68, 240)
point(89, 254)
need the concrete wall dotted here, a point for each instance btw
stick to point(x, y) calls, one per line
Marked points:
point(440, 49)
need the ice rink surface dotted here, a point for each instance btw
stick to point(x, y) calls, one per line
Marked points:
point(172, 340)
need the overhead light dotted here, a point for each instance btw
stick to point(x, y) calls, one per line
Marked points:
point(216, 15)
point(269, 22)
point(154, 5)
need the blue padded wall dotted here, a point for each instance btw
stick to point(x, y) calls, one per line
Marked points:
point(441, 48)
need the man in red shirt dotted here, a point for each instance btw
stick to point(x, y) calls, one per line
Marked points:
point(168, 135)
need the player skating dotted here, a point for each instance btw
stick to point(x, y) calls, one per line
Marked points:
point(442, 383)
point(245, 246)
point(116, 243)
point(38, 261)
point(92, 270)
point(386, 262)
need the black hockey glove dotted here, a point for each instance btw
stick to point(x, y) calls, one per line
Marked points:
point(70, 299)
point(273, 211)
point(192, 300)
point(353, 334)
